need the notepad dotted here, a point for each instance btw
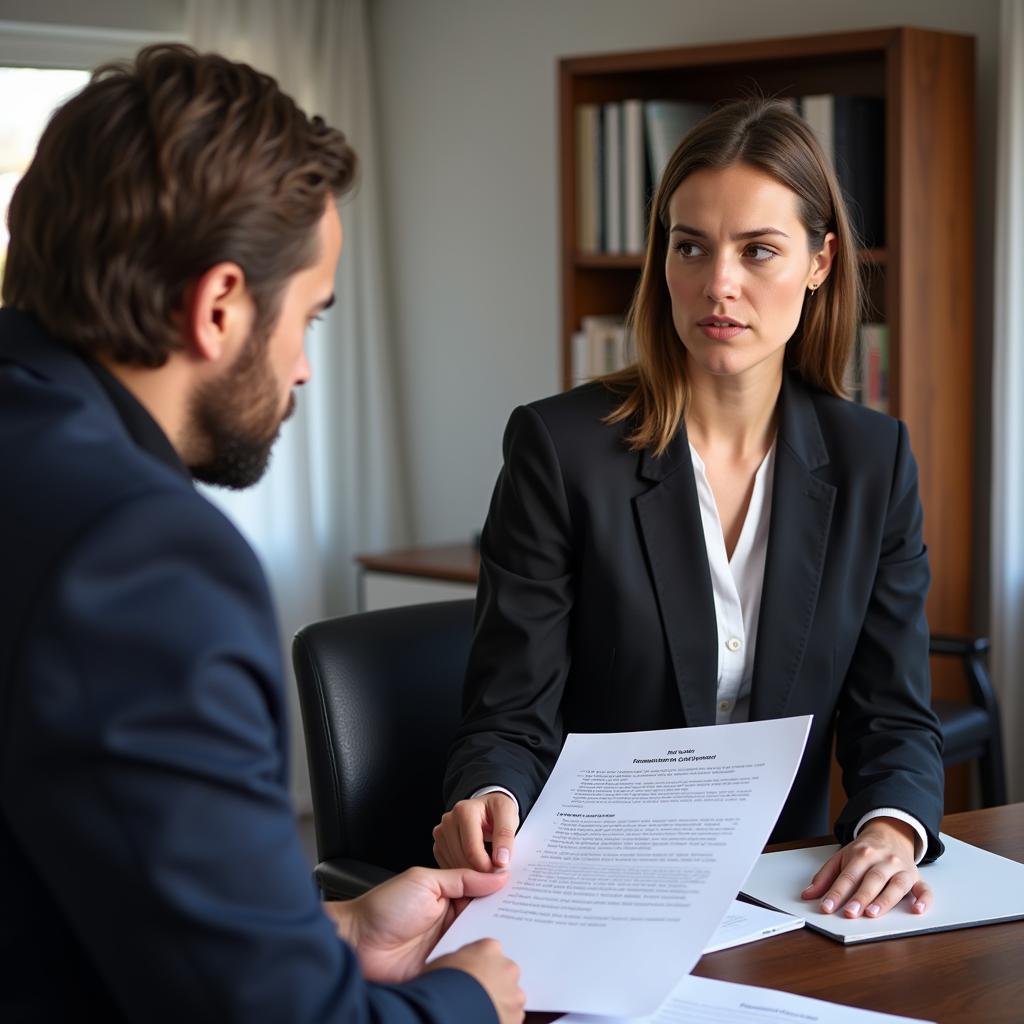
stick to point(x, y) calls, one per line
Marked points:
point(972, 887)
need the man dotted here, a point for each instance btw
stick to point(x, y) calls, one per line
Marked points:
point(170, 243)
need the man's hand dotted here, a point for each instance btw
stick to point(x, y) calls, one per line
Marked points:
point(498, 975)
point(872, 874)
point(396, 924)
point(459, 838)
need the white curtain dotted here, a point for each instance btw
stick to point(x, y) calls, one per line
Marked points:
point(336, 481)
point(1007, 660)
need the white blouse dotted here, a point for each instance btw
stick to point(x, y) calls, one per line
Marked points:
point(737, 584)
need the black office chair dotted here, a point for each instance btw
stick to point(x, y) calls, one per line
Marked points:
point(380, 694)
point(972, 731)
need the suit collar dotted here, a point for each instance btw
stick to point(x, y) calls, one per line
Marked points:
point(799, 429)
point(25, 341)
point(675, 457)
point(801, 519)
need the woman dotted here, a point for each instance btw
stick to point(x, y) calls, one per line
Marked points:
point(715, 534)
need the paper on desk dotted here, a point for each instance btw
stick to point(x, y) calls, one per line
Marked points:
point(971, 886)
point(706, 1001)
point(630, 858)
point(746, 922)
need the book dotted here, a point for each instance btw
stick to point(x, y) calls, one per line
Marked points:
point(972, 887)
point(588, 214)
point(667, 122)
point(580, 359)
point(873, 345)
point(612, 115)
point(818, 113)
point(605, 345)
point(634, 178)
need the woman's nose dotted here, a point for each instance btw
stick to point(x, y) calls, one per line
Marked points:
point(721, 283)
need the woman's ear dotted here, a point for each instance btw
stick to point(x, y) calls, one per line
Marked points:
point(218, 313)
point(821, 264)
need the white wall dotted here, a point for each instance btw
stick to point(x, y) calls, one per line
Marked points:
point(467, 94)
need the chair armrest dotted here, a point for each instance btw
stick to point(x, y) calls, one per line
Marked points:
point(960, 646)
point(972, 649)
point(344, 879)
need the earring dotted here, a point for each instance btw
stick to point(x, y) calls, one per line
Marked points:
point(812, 288)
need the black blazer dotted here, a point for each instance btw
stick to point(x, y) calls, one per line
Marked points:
point(595, 609)
point(150, 867)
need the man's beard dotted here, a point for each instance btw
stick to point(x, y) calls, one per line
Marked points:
point(236, 419)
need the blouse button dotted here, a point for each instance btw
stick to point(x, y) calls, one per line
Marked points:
point(733, 643)
point(724, 705)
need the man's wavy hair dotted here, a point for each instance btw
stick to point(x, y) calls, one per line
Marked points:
point(157, 170)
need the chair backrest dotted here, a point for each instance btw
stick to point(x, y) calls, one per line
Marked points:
point(380, 694)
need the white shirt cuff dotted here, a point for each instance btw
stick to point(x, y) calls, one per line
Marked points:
point(921, 844)
point(496, 789)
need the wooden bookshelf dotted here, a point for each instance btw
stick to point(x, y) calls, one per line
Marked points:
point(921, 284)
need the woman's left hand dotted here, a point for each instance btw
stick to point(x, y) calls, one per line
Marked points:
point(872, 874)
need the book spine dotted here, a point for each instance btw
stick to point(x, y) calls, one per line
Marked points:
point(580, 353)
point(599, 179)
point(818, 113)
point(633, 164)
point(613, 177)
point(874, 346)
point(586, 183)
point(604, 345)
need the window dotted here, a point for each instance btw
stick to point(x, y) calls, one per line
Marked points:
point(28, 96)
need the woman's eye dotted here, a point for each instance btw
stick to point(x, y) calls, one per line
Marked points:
point(761, 253)
point(687, 249)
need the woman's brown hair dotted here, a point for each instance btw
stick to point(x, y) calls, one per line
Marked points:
point(770, 136)
point(156, 171)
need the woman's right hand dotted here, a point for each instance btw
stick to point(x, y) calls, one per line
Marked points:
point(460, 836)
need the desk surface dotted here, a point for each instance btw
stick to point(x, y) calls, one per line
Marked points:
point(459, 563)
point(970, 976)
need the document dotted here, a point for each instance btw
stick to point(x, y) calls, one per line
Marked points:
point(746, 922)
point(630, 858)
point(706, 1001)
point(972, 887)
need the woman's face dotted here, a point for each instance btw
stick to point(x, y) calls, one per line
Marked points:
point(737, 269)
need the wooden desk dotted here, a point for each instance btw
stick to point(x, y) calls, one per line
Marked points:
point(438, 572)
point(970, 976)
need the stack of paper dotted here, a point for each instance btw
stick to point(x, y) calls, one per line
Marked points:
point(704, 1001)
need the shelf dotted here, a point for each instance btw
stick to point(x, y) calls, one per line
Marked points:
point(609, 261)
point(873, 257)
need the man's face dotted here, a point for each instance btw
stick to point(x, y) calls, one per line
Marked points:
point(237, 416)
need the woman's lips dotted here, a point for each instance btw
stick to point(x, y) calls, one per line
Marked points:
point(721, 329)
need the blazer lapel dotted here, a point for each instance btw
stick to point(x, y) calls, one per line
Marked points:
point(798, 539)
point(673, 538)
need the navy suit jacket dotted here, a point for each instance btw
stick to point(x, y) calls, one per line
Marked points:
point(150, 868)
point(595, 609)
